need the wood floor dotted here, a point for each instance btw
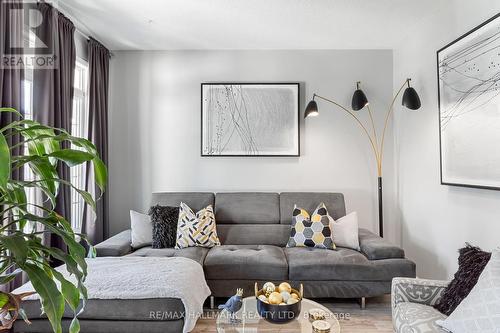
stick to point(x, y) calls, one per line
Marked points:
point(375, 318)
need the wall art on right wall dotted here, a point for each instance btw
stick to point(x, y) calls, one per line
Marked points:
point(469, 108)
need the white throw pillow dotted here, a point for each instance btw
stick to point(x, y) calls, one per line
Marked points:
point(345, 232)
point(142, 229)
point(480, 310)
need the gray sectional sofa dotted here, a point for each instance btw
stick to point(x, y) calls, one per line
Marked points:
point(253, 229)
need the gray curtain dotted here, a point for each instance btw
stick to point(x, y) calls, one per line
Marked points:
point(53, 92)
point(11, 85)
point(96, 227)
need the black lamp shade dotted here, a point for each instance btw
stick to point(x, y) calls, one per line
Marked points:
point(311, 109)
point(411, 99)
point(359, 100)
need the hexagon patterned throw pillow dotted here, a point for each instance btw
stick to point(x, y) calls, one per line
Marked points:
point(311, 231)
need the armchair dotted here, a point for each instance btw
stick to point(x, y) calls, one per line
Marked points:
point(412, 303)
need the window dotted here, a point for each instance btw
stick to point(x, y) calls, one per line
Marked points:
point(32, 196)
point(78, 128)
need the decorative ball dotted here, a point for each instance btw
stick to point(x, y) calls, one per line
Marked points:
point(263, 298)
point(292, 300)
point(275, 298)
point(286, 295)
point(285, 286)
point(268, 288)
point(294, 295)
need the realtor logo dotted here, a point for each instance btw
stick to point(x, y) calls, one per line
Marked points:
point(30, 41)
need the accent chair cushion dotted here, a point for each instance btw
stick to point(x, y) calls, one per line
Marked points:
point(196, 229)
point(246, 262)
point(417, 318)
point(311, 230)
point(164, 220)
point(142, 230)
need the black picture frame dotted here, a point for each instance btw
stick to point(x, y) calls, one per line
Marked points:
point(298, 117)
point(442, 180)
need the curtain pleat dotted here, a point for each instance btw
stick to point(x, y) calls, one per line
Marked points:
point(53, 94)
point(96, 226)
point(11, 86)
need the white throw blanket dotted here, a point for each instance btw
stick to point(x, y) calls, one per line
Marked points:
point(142, 278)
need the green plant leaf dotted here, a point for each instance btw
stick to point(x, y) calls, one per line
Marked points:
point(4, 161)
point(16, 193)
point(70, 293)
point(101, 173)
point(10, 110)
point(6, 278)
point(17, 245)
point(72, 157)
point(75, 326)
point(4, 299)
point(46, 172)
point(52, 300)
point(87, 197)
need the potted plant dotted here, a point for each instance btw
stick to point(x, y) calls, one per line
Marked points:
point(21, 248)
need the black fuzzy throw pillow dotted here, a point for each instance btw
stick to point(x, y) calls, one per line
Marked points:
point(164, 220)
point(471, 262)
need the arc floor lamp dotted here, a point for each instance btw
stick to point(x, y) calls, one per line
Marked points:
point(411, 100)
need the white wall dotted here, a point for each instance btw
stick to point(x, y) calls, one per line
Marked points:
point(155, 128)
point(436, 219)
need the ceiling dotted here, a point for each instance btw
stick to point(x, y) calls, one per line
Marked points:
point(247, 24)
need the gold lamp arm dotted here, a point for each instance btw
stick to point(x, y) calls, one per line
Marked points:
point(375, 138)
point(374, 146)
point(389, 112)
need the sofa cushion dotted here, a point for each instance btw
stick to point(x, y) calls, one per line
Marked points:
point(102, 326)
point(198, 254)
point(119, 309)
point(334, 202)
point(311, 264)
point(248, 234)
point(195, 200)
point(246, 262)
point(376, 247)
point(417, 318)
point(247, 208)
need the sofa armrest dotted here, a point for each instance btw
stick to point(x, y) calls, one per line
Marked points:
point(116, 246)
point(375, 247)
point(421, 291)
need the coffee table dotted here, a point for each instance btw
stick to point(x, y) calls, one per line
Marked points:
point(249, 321)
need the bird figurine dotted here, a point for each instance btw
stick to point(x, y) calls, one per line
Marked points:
point(233, 304)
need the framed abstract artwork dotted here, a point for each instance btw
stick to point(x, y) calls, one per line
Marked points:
point(469, 108)
point(250, 119)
